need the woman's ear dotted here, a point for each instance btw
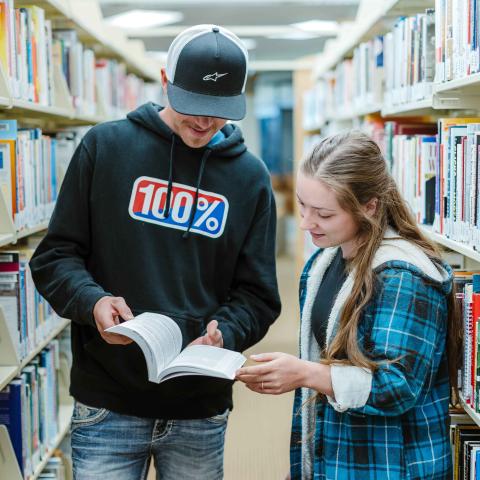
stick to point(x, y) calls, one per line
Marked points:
point(371, 207)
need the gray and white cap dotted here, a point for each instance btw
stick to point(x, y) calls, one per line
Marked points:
point(207, 73)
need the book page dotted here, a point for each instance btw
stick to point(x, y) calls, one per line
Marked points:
point(205, 360)
point(157, 335)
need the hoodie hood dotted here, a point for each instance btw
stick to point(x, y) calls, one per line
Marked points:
point(397, 252)
point(147, 115)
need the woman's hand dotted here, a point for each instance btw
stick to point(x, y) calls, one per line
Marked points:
point(280, 372)
point(276, 373)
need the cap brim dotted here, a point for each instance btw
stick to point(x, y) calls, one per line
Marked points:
point(189, 103)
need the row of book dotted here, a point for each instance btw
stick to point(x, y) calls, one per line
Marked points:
point(32, 166)
point(388, 70)
point(457, 213)
point(468, 294)
point(33, 53)
point(28, 317)
point(457, 39)
point(437, 168)
point(29, 408)
point(410, 59)
point(465, 442)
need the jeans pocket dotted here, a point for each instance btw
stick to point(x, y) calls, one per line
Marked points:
point(219, 419)
point(84, 415)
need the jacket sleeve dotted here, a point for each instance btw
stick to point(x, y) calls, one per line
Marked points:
point(408, 330)
point(254, 302)
point(59, 263)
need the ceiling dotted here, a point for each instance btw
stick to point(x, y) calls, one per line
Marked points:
point(254, 20)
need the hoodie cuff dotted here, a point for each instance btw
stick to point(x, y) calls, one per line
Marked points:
point(86, 301)
point(351, 387)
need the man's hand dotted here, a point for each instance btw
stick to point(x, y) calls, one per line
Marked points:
point(107, 313)
point(212, 337)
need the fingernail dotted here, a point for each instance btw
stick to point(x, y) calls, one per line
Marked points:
point(255, 356)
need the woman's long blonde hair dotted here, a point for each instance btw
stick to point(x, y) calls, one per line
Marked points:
point(352, 165)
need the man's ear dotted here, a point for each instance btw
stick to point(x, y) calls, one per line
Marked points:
point(163, 75)
point(371, 206)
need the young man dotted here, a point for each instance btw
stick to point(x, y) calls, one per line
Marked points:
point(165, 211)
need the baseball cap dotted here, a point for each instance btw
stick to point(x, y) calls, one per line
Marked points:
point(207, 73)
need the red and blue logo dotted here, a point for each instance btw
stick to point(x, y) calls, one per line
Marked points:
point(148, 201)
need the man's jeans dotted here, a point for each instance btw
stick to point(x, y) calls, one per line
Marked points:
point(110, 446)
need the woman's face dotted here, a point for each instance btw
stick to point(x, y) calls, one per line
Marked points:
point(328, 224)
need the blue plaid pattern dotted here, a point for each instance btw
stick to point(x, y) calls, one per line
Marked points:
point(402, 431)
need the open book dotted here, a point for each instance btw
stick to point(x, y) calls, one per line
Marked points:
point(160, 339)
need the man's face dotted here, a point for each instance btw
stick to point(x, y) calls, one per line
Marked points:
point(195, 131)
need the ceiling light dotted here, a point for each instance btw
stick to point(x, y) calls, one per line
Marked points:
point(317, 26)
point(144, 19)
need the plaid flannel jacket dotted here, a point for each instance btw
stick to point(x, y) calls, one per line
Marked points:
point(402, 430)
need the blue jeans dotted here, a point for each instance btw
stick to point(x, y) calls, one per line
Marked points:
point(111, 446)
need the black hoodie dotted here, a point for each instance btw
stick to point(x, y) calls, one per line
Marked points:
point(108, 236)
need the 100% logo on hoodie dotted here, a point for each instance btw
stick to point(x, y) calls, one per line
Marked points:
point(148, 202)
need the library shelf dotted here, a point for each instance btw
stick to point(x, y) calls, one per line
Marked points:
point(25, 107)
point(469, 84)
point(419, 107)
point(64, 418)
point(9, 372)
point(451, 244)
point(470, 411)
point(373, 22)
point(30, 231)
point(4, 102)
point(7, 239)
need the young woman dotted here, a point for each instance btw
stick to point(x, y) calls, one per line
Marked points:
point(380, 333)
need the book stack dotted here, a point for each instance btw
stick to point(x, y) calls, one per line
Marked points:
point(457, 39)
point(465, 439)
point(30, 166)
point(368, 71)
point(410, 151)
point(468, 288)
point(26, 52)
point(29, 408)
point(410, 59)
point(28, 316)
point(457, 214)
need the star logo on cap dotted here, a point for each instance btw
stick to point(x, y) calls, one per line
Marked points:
point(214, 76)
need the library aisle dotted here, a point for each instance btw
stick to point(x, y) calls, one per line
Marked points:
point(258, 433)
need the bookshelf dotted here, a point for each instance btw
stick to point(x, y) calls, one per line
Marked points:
point(454, 98)
point(373, 18)
point(9, 466)
point(85, 18)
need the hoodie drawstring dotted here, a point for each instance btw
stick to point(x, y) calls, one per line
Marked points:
point(170, 179)
point(205, 156)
